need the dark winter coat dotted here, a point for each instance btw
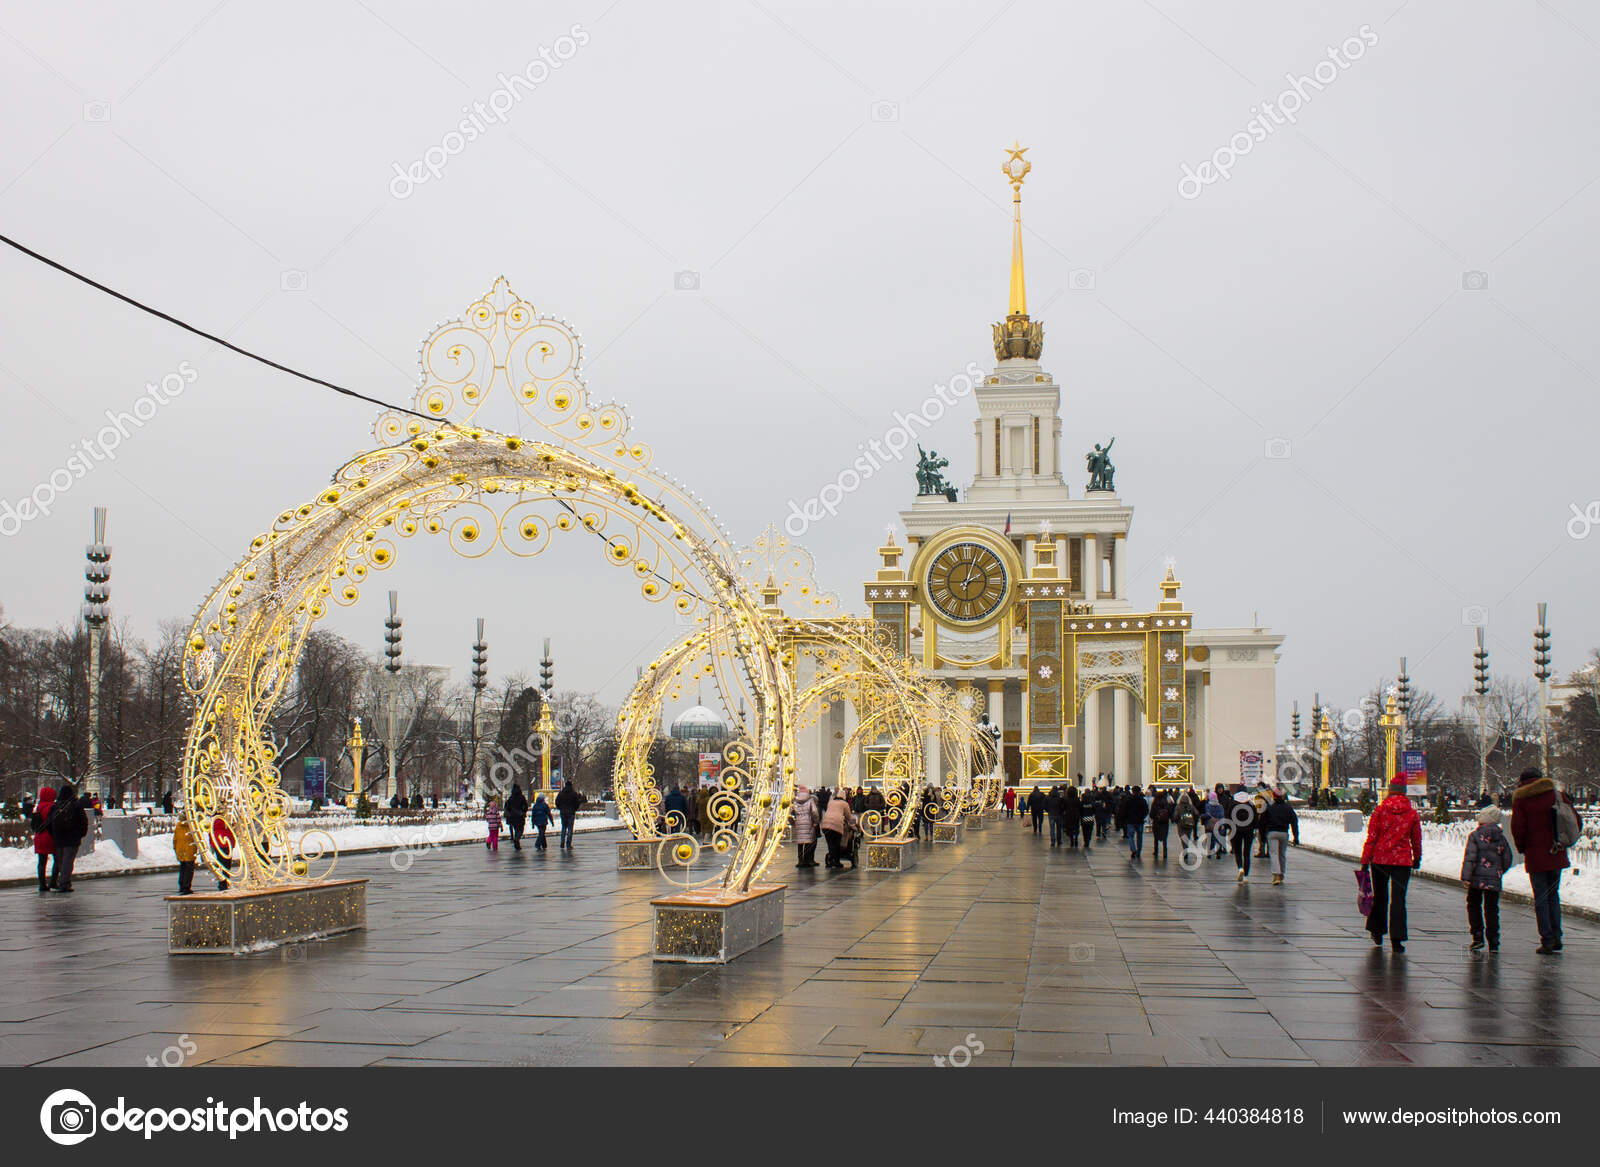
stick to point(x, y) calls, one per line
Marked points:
point(1036, 801)
point(540, 812)
point(674, 802)
point(1533, 825)
point(68, 823)
point(1394, 834)
point(1071, 809)
point(1134, 810)
point(1280, 816)
point(1487, 858)
point(568, 801)
point(1052, 805)
point(517, 808)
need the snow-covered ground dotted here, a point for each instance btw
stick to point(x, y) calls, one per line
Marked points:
point(1442, 847)
point(155, 851)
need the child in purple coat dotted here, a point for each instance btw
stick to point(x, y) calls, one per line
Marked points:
point(1487, 858)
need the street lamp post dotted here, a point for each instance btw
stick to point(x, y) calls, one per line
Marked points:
point(96, 597)
point(357, 745)
point(1325, 746)
point(1403, 700)
point(1480, 688)
point(1541, 670)
point(391, 696)
point(546, 729)
point(480, 681)
point(1392, 725)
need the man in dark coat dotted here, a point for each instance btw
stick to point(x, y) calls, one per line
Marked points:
point(1052, 809)
point(567, 804)
point(1036, 808)
point(68, 825)
point(1533, 829)
point(516, 814)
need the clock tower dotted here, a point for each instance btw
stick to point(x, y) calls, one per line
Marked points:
point(1017, 594)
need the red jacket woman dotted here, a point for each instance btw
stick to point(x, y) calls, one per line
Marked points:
point(44, 845)
point(1394, 834)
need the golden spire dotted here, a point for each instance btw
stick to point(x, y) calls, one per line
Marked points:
point(1016, 169)
point(1017, 336)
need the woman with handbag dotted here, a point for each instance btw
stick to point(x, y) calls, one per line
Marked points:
point(1393, 850)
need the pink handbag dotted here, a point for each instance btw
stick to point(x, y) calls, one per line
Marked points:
point(1364, 892)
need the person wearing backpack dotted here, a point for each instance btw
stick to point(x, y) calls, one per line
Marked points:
point(1486, 859)
point(1543, 824)
point(68, 824)
point(1160, 823)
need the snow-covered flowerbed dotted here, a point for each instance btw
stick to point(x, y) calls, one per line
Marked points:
point(1442, 847)
point(155, 851)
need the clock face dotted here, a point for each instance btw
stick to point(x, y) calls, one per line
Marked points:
point(966, 583)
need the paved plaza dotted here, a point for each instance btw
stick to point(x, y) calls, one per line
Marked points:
point(1039, 956)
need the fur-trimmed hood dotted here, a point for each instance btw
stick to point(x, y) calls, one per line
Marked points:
point(1533, 789)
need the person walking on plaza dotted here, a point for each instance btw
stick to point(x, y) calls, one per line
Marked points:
point(837, 823)
point(166, 802)
point(676, 807)
point(516, 815)
point(1036, 808)
point(1052, 810)
point(1091, 810)
point(491, 816)
point(1392, 851)
point(1010, 800)
point(1243, 820)
point(1535, 805)
point(541, 821)
point(68, 824)
point(1160, 823)
point(223, 843)
point(44, 846)
point(1277, 821)
point(1485, 861)
point(1105, 809)
point(1135, 811)
point(567, 804)
point(1071, 815)
point(1187, 814)
point(806, 819)
point(186, 849)
point(1262, 797)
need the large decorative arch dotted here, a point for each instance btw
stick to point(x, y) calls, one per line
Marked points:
point(480, 488)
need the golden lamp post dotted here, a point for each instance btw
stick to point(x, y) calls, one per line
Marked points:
point(357, 745)
point(546, 729)
point(1392, 724)
point(1325, 747)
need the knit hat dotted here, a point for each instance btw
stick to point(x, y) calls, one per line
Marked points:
point(1398, 786)
point(1490, 816)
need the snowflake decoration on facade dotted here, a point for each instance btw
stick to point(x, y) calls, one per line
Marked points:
point(1045, 672)
point(1170, 693)
point(1172, 654)
point(1172, 732)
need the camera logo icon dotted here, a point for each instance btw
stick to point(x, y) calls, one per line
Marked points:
point(68, 1117)
point(1475, 616)
point(1080, 954)
point(686, 281)
point(97, 111)
point(1474, 281)
point(1081, 279)
point(885, 111)
point(293, 280)
point(1278, 449)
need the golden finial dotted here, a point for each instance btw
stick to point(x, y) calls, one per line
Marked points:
point(1017, 336)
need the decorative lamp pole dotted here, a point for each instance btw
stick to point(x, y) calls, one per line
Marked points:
point(1325, 747)
point(547, 671)
point(357, 745)
point(546, 729)
point(96, 598)
point(480, 681)
point(1480, 690)
point(1392, 725)
point(1403, 692)
point(392, 650)
point(1541, 670)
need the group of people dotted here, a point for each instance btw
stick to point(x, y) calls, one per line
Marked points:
point(1392, 851)
point(834, 815)
point(518, 810)
point(1262, 818)
point(59, 820)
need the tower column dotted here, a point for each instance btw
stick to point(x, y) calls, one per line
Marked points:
point(997, 715)
point(932, 762)
point(1091, 735)
point(852, 718)
point(1121, 728)
point(1148, 737)
point(1119, 567)
point(1091, 567)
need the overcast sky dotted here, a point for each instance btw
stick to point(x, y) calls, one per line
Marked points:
point(1322, 413)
